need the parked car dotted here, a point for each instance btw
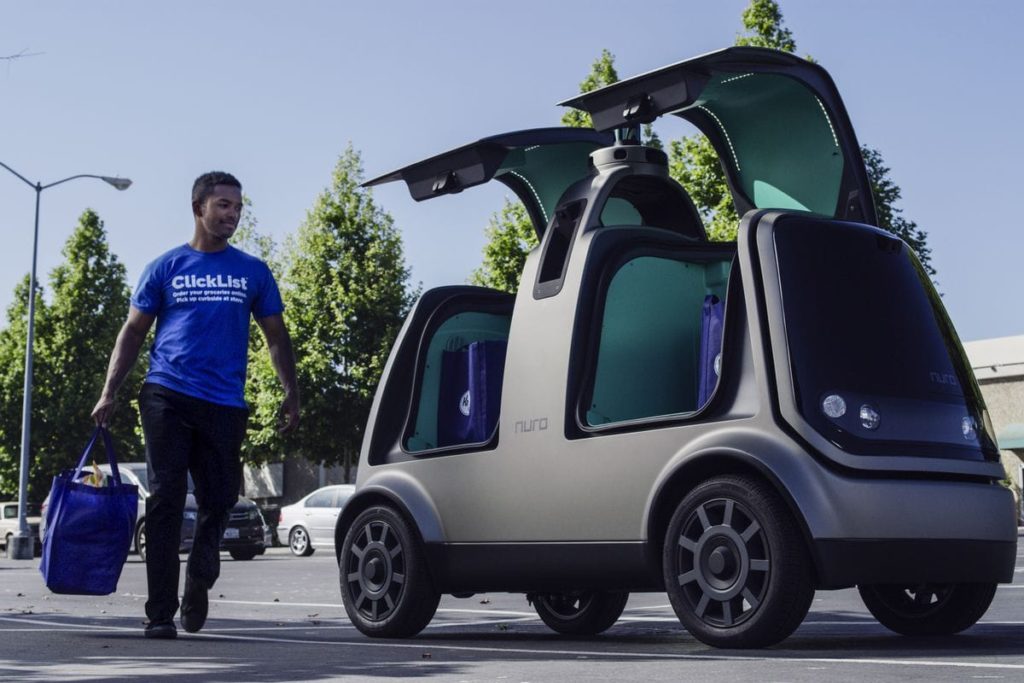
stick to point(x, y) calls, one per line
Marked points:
point(9, 524)
point(738, 424)
point(246, 536)
point(308, 524)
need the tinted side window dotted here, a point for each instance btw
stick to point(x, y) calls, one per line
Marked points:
point(321, 499)
point(462, 372)
point(660, 339)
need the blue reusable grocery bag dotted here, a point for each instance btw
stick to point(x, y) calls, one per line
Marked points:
point(470, 394)
point(88, 528)
point(712, 315)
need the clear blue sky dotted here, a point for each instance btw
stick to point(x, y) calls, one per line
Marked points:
point(163, 91)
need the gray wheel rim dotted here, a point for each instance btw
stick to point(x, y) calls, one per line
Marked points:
point(566, 606)
point(722, 563)
point(915, 601)
point(375, 570)
point(300, 541)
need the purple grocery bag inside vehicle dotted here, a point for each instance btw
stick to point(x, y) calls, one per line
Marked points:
point(470, 396)
point(712, 317)
point(88, 528)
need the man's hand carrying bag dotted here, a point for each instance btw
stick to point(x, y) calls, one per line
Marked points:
point(89, 527)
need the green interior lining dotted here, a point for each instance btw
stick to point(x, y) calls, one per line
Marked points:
point(647, 361)
point(454, 333)
point(780, 142)
point(549, 170)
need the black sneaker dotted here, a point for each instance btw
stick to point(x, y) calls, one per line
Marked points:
point(164, 630)
point(194, 605)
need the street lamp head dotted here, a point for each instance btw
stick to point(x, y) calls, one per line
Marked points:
point(119, 183)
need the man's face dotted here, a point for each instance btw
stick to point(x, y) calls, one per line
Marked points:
point(219, 213)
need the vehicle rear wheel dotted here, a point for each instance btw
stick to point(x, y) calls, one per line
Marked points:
point(584, 613)
point(298, 541)
point(385, 584)
point(735, 567)
point(7, 546)
point(243, 555)
point(140, 540)
point(928, 609)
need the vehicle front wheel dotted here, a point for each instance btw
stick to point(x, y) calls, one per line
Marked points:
point(928, 609)
point(585, 613)
point(242, 555)
point(384, 580)
point(298, 541)
point(736, 569)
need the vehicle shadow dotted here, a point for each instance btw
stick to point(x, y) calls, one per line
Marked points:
point(249, 649)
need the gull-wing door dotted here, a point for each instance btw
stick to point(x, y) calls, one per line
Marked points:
point(538, 165)
point(776, 121)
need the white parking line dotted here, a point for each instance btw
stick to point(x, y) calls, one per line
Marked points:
point(626, 654)
point(639, 655)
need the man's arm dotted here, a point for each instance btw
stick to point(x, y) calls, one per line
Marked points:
point(122, 358)
point(280, 346)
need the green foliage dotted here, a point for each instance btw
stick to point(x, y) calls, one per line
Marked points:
point(693, 162)
point(73, 337)
point(262, 389)
point(510, 237)
point(345, 288)
point(762, 19)
point(602, 73)
point(886, 194)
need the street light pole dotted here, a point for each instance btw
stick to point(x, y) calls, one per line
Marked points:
point(22, 543)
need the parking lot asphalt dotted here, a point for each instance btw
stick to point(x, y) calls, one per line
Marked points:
point(279, 618)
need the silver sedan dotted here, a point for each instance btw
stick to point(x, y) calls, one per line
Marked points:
point(309, 523)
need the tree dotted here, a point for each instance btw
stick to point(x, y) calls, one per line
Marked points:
point(262, 388)
point(12, 366)
point(890, 217)
point(510, 234)
point(762, 19)
point(510, 237)
point(346, 294)
point(693, 162)
point(74, 336)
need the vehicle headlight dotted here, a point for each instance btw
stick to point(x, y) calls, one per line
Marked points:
point(969, 428)
point(834, 406)
point(254, 514)
point(190, 515)
point(869, 417)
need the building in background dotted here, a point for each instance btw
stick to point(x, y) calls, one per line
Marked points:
point(999, 366)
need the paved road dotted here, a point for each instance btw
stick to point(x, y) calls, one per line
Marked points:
point(279, 618)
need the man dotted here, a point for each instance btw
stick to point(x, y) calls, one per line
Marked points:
point(201, 295)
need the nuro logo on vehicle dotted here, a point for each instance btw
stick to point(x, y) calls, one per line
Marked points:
point(538, 423)
point(219, 287)
point(943, 378)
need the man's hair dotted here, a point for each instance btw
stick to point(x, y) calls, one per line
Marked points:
point(204, 184)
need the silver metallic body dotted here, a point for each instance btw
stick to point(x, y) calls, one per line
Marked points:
point(537, 485)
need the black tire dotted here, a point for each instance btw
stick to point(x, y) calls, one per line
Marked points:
point(298, 541)
point(585, 613)
point(243, 555)
point(7, 546)
point(385, 584)
point(735, 566)
point(140, 540)
point(928, 609)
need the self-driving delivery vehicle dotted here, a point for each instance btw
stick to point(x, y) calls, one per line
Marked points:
point(737, 424)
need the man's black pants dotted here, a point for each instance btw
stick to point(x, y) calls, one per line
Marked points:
point(186, 434)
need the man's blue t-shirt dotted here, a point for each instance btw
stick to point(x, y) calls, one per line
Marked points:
point(202, 302)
